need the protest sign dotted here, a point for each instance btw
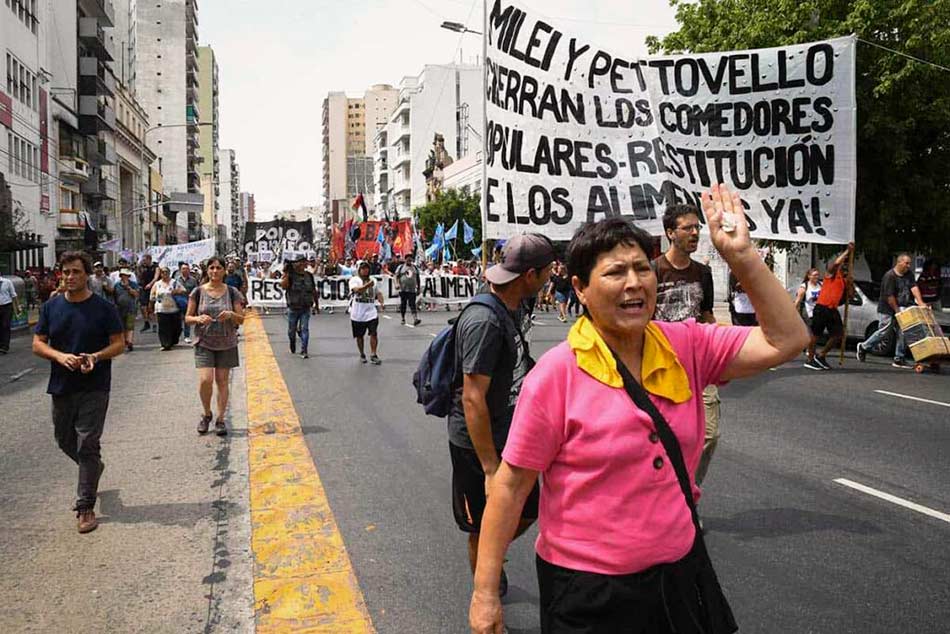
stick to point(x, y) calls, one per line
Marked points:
point(575, 133)
point(334, 291)
point(274, 237)
point(190, 252)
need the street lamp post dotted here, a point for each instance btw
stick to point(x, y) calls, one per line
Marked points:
point(146, 173)
point(458, 27)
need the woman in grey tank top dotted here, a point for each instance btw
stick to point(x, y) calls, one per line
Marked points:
point(216, 310)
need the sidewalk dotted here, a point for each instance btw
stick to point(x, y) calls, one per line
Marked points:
point(171, 553)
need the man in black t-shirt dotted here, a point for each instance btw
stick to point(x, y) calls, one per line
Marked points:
point(684, 290)
point(79, 333)
point(300, 292)
point(493, 356)
point(898, 290)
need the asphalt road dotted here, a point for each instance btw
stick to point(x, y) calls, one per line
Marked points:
point(796, 551)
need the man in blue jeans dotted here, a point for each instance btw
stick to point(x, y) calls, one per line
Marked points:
point(300, 291)
point(898, 290)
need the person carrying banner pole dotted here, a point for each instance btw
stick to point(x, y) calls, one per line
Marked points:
point(849, 293)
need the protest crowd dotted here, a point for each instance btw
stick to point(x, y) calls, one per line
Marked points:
point(614, 490)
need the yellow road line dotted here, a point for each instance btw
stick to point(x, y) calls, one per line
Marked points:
point(303, 578)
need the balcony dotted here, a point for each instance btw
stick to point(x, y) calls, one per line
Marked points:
point(191, 11)
point(192, 116)
point(101, 9)
point(106, 153)
point(69, 219)
point(101, 188)
point(95, 116)
point(92, 35)
point(399, 161)
point(94, 78)
point(74, 169)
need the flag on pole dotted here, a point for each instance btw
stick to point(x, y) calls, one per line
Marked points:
point(439, 237)
point(446, 256)
point(360, 205)
point(453, 232)
point(467, 232)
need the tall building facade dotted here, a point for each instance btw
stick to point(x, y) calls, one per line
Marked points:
point(349, 129)
point(248, 211)
point(209, 166)
point(444, 100)
point(166, 79)
point(229, 198)
point(27, 220)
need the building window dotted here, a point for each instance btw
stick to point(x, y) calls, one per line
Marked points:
point(21, 83)
point(25, 10)
point(24, 158)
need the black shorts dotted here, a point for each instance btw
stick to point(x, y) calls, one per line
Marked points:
point(468, 491)
point(824, 318)
point(360, 328)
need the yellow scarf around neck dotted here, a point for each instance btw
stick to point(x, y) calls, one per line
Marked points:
point(661, 372)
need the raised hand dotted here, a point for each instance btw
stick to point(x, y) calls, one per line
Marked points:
point(725, 217)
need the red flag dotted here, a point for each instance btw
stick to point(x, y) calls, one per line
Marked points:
point(360, 204)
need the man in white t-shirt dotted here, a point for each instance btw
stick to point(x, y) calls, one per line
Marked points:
point(363, 314)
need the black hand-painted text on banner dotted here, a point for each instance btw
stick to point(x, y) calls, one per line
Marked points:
point(335, 291)
point(276, 236)
point(575, 133)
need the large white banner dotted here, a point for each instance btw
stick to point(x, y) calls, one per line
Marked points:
point(190, 252)
point(334, 291)
point(575, 133)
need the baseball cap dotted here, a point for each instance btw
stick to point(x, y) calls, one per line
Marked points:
point(520, 254)
point(125, 272)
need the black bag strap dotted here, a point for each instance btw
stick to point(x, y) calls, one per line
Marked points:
point(670, 443)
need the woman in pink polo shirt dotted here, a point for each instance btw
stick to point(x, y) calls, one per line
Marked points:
point(618, 547)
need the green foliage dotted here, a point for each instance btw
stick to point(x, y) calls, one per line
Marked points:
point(903, 136)
point(447, 208)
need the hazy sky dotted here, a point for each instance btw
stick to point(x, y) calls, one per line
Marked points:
point(279, 59)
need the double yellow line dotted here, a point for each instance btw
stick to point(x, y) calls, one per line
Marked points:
point(303, 578)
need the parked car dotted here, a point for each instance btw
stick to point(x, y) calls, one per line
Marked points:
point(863, 319)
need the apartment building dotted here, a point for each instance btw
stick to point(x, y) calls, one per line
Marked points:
point(349, 129)
point(229, 198)
point(442, 99)
point(28, 222)
point(166, 81)
point(209, 166)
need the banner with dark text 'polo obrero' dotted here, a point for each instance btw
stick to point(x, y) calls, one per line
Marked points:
point(576, 133)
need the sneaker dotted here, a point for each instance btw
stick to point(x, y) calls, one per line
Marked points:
point(900, 363)
point(146, 327)
point(362, 358)
point(503, 584)
point(811, 364)
point(561, 319)
point(220, 428)
point(203, 424)
point(822, 362)
point(304, 355)
point(87, 521)
point(402, 322)
point(187, 339)
point(860, 353)
point(416, 321)
point(375, 360)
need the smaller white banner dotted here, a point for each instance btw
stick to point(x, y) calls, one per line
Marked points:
point(335, 291)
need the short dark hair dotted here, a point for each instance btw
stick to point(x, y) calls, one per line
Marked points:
point(675, 212)
point(72, 256)
point(594, 238)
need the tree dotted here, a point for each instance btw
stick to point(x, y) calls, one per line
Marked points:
point(903, 132)
point(449, 206)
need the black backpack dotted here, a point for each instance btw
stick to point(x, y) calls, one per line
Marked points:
point(437, 376)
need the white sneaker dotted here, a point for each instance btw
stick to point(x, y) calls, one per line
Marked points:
point(187, 339)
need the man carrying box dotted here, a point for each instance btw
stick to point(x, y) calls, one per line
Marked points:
point(898, 290)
